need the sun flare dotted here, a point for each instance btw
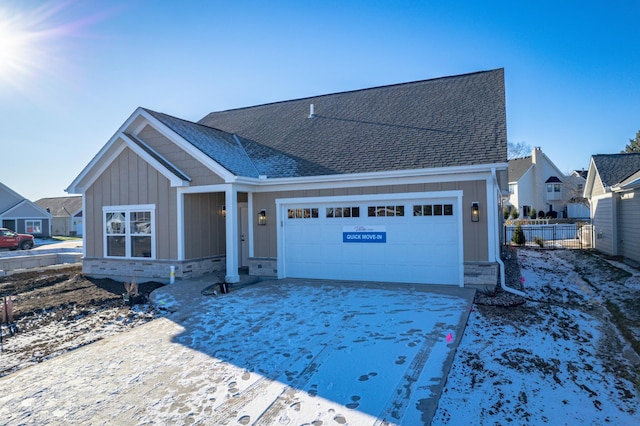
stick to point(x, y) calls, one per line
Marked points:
point(14, 49)
point(41, 40)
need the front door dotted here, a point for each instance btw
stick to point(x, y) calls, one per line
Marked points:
point(243, 230)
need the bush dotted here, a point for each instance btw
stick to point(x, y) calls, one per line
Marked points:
point(532, 214)
point(518, 235)
point(505, 213)
point(514, 214)
point(541, 214)
point(539, 241)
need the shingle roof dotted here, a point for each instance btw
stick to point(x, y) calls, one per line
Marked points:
point(443, 122)
point(614, 168)
point(61, 206)
point(221, 146)
point(158, 157)
point(517, 167)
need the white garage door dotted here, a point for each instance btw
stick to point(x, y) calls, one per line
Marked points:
point(410, 240)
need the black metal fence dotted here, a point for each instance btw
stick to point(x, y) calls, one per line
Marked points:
point(557, 235)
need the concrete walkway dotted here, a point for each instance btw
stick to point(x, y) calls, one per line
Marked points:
point(272, 352)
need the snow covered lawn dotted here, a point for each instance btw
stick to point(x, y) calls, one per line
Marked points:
point(556, 360)
point(278, 353)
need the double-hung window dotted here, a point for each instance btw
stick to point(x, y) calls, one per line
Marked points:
point(129, 231)
point(33, 226)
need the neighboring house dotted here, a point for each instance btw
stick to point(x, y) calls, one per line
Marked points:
point(578, 205)
point(613, 190)
point(66, 214)
point(21, 215)
point(397, 183)
point(536, 183)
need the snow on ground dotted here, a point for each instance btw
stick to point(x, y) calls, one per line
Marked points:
point(556, 360)
point(47, 329)
point(329, 354)
point(277, 353)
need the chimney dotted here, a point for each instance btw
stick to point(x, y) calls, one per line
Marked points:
point(536, 154)
point(311, 111)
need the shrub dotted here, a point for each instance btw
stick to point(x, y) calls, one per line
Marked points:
point(539, 241)
point(532, 214)
point(514, 214)
point(518, 235)
point(505, 213)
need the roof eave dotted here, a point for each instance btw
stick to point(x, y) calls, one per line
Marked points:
point(384, 175)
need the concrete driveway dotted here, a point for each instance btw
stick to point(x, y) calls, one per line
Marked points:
point(276, 352)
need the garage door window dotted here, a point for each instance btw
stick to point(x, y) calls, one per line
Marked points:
point(333, 212)
point(433, 210)
point(379, 211)
point(302, 213)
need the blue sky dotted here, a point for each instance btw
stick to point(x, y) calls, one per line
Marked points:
point(71, 72)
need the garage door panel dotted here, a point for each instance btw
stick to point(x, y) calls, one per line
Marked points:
point(398, 248)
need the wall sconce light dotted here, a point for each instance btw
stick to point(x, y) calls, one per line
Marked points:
point(262, 217)
point(223, 211)
point(475, 211)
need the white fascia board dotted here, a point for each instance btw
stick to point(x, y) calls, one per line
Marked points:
point(627, 186)
point(370, 197)
point(173, 179)
point(209, 163)
point(441, 174)
point(553, 165)
point(592, 174)
point(75, 187)
point(91, 173)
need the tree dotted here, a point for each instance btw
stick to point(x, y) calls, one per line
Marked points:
point(518, 150)
point(518, 235)
point(633, 146)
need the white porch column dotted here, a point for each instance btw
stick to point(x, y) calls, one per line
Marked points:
point(250, 228)
point(231, 201)
point(180, 220)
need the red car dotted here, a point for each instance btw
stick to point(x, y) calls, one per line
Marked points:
point(13, 240)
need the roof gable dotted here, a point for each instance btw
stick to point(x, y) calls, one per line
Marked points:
point(61, 206)
point(518, 167)
point(615, 168)
point(445, 122)
point(26, 209)
point(225, 148)
point(8, 198)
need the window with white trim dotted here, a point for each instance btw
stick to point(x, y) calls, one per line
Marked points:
point(33, 226)
point(553, 187)
point(129, 231)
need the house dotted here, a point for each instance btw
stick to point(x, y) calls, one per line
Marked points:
point(66, 214)
point(578, 205)
point(397, 183)
point(21, 215)
point(536, 183)
point(613, 190)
